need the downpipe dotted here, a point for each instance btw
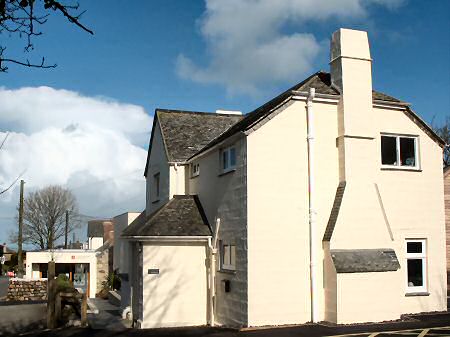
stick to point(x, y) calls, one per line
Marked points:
point(312, 211)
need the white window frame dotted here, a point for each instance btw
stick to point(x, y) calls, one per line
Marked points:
point(227, 152)
point(397, 150)
point(195, 170)
point(229, 264)
point(415, 256)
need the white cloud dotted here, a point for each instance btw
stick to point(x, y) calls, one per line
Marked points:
point(92, 145)
point(247, 46)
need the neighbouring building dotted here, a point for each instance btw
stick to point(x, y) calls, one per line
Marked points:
point(121, 256)
point(324, 204)
point(79, 265)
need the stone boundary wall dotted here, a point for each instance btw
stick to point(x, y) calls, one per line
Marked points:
point(27, 290)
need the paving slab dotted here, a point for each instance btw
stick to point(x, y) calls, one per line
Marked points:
point(104, 315)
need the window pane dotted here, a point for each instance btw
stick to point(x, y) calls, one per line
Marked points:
point(414, 247)
point(225, 160)
point(232, 156)
point(415, 273)
point(233, 256)
point(407, 152)
point(226, 254)
point(388, 150)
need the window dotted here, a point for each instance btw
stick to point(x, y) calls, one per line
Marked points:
point(228, 159)
point(195, 169)
point(399, 151)
point(156, 186)
point(416, 265)
point(227, 256)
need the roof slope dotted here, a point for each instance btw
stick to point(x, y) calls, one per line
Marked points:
point(321, 81)
point(187, 132)
point(364, 260)
point(182, 215)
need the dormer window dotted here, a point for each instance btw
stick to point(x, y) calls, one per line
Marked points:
point(399, 151)
point(228, 159)
point(195, 169)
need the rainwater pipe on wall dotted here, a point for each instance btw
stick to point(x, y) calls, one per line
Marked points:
point(312, 211)
point(212, 273)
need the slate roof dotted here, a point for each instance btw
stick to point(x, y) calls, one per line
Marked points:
point(182, 215)
point(187, 132)
point(364, 260)
point(321, 81)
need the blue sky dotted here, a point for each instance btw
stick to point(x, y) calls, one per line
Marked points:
point(132, 56)
point(86, 123)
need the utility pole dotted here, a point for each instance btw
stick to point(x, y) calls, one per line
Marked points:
point(19, 239)
point(67, 229)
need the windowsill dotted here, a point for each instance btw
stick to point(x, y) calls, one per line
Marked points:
point(227, 271)
point(419, 293)
point(155, 201)
point(226, 172)
point(401, 168)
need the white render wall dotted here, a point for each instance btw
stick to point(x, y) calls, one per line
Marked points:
point(95, 242)
point(157, 163)
point(177, 296)
point(121, 258)
point(224, 196)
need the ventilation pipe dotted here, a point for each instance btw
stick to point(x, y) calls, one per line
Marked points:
point(312, 211)
point(212, 273)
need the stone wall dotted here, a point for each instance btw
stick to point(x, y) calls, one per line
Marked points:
point(27, 290)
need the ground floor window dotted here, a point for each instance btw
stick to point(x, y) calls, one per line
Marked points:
point(227, 256)
point(416, 265)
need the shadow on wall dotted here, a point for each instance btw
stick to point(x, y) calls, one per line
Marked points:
point(162, 292)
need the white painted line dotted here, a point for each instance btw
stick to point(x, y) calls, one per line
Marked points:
point(423, 333)
point(374, 334)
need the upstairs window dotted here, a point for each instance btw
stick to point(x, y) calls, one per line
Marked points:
point(156, 184)
point(228, 256)
point(416, 266)
point(400, 151)
point(228, 159)
point(195, 169)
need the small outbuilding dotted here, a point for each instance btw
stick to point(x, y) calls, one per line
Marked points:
point(170, 276)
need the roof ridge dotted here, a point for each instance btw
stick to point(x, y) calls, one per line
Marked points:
point(194, 112)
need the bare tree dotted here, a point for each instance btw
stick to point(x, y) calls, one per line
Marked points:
point(443, 131)
point(45, 214)
point(24, 18)
point(5, 189)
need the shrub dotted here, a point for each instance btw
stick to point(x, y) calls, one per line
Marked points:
point(63, 284)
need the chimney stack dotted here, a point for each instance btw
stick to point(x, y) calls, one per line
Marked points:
point(351, 75)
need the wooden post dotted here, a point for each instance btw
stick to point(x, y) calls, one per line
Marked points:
point(58, 307)
point(84, 310)
point(19, 239)
point(51, 295)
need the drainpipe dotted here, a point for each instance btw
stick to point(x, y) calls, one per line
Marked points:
point(212, 273)
point(312, 211)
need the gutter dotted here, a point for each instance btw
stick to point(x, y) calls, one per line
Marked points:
point(312, 211)
point(168, 238)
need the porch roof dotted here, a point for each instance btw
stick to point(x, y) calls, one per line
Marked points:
point(182, 215)
point(364, 260)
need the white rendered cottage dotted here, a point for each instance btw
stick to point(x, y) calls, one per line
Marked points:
point(323, 200)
